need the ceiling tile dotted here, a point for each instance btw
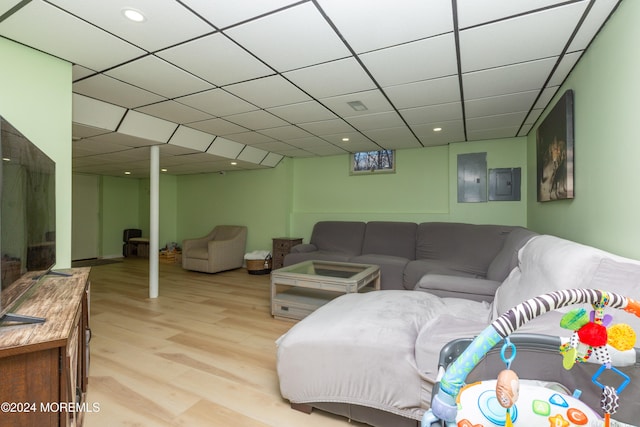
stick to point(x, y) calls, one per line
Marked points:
point(356, 141)
point(421, 60)
point(500, 121)
point(544, 34)
point(303, 112)
point(79, 72)
point(394, 23)
point(225, 13)
point(153, 73)
point(147, 127)
point(509, 79)
point(256, 120)
point(473, 12)
point(564, 68)
point(217, 102)
point(285, 132)
point(393, 138)
point(191, 138)
point(297, 37)
point(98, 114)
point(225, 148)
point(451, 131)
point(332, 78)
point(216, 59)
point(390, 119)
point(483, 134)
point(252, 154)
point(428, 92)
point(600, 10)
point(327, 127)
point(503, 104)
point(174, 112)
point(268, 92)
point(115, 92)
point(272, 160)
point(220, 127)
point(55, 31)
point(274, 146)
point(433, 113)
point(153, 33)
point(373, 100)
point(249, 138)
point(546, 96)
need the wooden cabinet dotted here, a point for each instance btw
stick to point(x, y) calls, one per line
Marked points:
point(44, 367)
point(281, 247)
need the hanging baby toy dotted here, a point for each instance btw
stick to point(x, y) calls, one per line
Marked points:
point(508, 384)
point(590, 338)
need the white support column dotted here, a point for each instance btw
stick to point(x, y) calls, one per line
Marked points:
point(154, 209)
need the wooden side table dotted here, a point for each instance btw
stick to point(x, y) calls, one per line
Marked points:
point(281, 247)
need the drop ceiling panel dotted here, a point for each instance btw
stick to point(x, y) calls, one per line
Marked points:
point(452, 131)
point(249, 138)
point(274, 147)
point(271, 91)
point(174, 112)
point(373, 100)
point(600, 11)
point(54, 31)
point(327, 127)
point(298, 37)
point(272, 160)
point(98, 114)
point(433, 113)
point(225, 148)
point(500, 121)
point(115, 92)
point(191, 138)
point(147, 127)
point(484, 134)
point(167, 21)
point(394, 23)
point(421, 60)
point(226, 62)
point(256, 120)
point(252, 154)
point(510, 79)
point(389, 119)
point(153, 74)
point(217, 102)
point(564, 68)
point(428, 92)
point(285, 132)
point(544, 34)
point(78, 72)
point(225, 13)
point(394, 138)
point(473, 12)
point(303, 112)
point(220, 127)
point(332, 78)
point(503, 104)
point(357, 142)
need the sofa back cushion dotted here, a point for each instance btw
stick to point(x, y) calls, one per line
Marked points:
point(507, 258)
point(390, 238)
point(338, 236)
point(472, 247)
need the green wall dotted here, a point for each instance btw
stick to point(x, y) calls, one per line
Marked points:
point(35, 98)
point(259, 199)
point(604, 212)
point(119, 200)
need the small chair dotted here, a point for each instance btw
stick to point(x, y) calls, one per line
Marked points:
point(222, 249)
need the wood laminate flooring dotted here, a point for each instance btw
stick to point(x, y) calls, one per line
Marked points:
point(202, 354)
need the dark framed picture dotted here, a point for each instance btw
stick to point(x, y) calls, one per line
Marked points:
point(370, 162)
point(554, 152)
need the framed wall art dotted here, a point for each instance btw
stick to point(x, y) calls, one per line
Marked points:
point(554, 152)
point(372, 162)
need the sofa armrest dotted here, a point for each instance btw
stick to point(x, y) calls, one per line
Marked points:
point(458, 287)
point(303, 248)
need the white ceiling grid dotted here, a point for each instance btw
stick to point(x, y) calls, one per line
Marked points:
point(251, 81)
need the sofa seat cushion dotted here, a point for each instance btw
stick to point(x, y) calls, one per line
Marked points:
point(198, 253)
point(418, 268)
point(458, 287)
point(391, 268)
point(359, 349)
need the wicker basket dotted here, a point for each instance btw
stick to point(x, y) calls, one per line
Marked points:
point(259, 266)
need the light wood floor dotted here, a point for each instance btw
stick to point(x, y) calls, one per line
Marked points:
point(202, 354)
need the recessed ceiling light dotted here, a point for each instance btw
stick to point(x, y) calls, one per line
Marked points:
point(163, 169)
point(133, 15)
point(6, 159)
point(437, 129)
point(345, 139)
point(234, 163)
point(127, 173)
point(357, 105)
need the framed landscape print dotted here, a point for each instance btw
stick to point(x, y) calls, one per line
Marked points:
point(369, 162)
point(554, 152)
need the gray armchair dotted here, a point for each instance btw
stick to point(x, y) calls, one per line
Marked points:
point(222, 249)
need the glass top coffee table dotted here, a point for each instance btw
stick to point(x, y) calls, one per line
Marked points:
point(299, 289)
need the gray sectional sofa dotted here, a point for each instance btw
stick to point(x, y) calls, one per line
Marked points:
point(446, 259)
